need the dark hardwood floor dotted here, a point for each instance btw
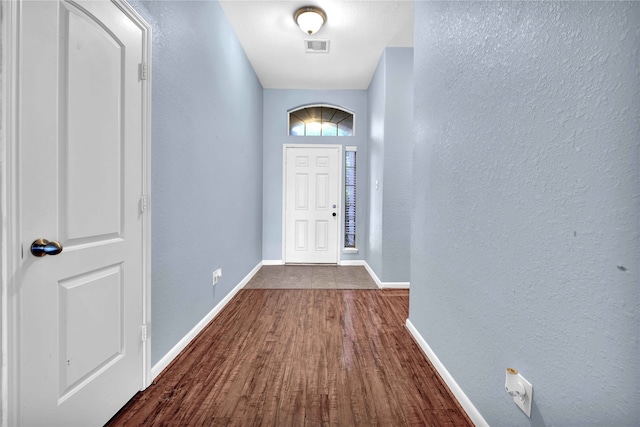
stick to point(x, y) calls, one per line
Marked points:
point(300, 358)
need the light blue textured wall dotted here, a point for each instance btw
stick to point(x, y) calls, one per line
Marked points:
point(276, 104)
point(390, 145)
point(206, 164)
point(377, 107)
point(526, 210)
point(398, 136)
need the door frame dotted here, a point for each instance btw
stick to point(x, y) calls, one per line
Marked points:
point(10, 210)
point(284, 193)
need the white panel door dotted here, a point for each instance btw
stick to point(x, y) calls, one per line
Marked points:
point(81, 181)
point(312, 195)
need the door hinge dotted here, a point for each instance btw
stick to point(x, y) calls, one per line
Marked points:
point(144, 334)
point(143, 71)
point(144, 204)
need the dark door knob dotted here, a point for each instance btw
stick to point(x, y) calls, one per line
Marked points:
point(334, 214)
point(42, 247)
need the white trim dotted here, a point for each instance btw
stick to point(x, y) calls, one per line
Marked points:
point(9, 239)
point(283, 195)
point(349, 250)
point(396, 285)
point(464, 401)
point(385, 285)
point(146, 184)
point(175, 351)
point(272, 262)
point(353, 262)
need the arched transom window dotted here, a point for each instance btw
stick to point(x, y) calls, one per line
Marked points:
point(320, 120)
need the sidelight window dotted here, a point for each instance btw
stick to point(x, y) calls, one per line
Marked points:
point(350, 198)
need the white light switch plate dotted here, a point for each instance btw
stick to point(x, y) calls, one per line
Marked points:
point(217, 274)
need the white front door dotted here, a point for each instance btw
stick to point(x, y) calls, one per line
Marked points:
point(80, 131)
point(312, 197)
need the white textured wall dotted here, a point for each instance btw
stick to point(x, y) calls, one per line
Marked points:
point(525, 224)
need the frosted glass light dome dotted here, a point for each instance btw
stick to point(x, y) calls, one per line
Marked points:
point(310, 19)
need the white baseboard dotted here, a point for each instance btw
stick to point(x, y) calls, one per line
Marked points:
point(464, 401)
point(395, 285)
point(272, 262)
point(374, 276)
point(351, 262)
point(173, 353)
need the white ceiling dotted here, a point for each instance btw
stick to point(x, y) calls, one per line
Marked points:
point(358, 31)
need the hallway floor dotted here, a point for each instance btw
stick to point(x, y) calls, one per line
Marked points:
point(312, 357)
point(311, 277)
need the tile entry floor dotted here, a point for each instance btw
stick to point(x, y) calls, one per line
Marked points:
point(311, 277)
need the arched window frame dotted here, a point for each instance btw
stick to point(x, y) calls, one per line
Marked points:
point(336, 107)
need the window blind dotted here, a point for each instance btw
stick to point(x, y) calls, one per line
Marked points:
point(350, 199)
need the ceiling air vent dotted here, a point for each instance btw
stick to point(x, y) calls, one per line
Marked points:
point(316, 46)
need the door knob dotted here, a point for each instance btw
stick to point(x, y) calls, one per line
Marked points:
point(334, 214)
point(42, 247)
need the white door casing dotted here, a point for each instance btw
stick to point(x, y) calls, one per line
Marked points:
point(312, 203)
point(79, 172)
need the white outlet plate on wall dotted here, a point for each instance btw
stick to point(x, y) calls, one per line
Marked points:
point(525, 404)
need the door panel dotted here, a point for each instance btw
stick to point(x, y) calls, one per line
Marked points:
point(81, 175)
point(322, 191)
point(302, 235)
point(91, 326)
point(312, 195)
point(302, 192)
point(322, 235)
point(92, 132)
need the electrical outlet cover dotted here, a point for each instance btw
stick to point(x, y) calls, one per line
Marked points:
point(525, 404)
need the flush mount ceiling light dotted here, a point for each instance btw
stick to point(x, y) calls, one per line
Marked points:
point(310, 19)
